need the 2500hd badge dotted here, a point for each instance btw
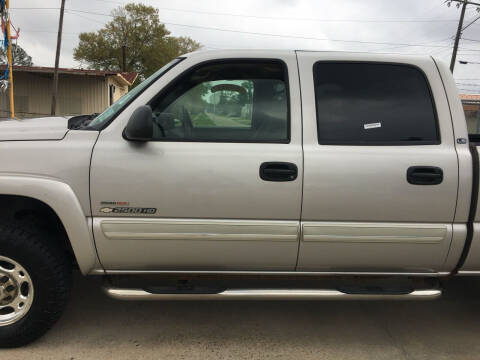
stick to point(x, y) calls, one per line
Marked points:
point(128, 210)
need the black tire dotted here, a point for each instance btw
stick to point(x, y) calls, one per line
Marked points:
point(50, 270)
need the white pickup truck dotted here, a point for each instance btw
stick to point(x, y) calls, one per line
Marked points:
point(244, 175)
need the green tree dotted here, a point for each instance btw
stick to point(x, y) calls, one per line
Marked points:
point(19, 55)
point(137, 27)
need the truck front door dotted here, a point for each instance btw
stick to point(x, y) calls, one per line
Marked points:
point(219, 185)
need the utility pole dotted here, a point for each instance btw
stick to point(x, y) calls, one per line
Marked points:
point(57, 60)
point(124, 58)
point(457, 37)
point(459, 29)
point(10, 62)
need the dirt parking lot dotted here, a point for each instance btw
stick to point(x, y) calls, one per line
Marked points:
point(96, 327)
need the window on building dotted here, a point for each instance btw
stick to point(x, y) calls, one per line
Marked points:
point(225, 101)
point(373, 104)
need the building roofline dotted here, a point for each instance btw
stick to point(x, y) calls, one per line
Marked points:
point(470, 99)
point(127, 77)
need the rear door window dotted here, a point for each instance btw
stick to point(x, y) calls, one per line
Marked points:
point(373, 104)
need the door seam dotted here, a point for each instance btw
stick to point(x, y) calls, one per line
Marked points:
point(300, 226)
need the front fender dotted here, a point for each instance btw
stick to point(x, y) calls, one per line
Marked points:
point(62, 199)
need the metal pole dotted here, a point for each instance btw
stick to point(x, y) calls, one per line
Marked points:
point(10, 64)
point(457, 37)
point(478, 119)
point(57, 60)
point(124, 58)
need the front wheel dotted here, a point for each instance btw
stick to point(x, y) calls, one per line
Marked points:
point(35, 281)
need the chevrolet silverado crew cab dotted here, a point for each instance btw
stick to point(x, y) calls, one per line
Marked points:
point(244, 175)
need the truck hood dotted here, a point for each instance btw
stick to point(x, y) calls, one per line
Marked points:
point(47, 128)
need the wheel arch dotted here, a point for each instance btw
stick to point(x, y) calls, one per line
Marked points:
point(61, 202)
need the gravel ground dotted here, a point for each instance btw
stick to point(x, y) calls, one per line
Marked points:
point(96, 327)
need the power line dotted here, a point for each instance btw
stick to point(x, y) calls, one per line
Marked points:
point(35, 8)
point(463, 1)
point(71, 11)
point(264, 17)
point(430, 11)
point(306, 37)
point(278, 35)
point(461, 27)
point(85, 17)
point(396, 45)
point(111, 1)
point(471, 23)
point(91, 12)
point(308, 19)
point(424, 44)
point(49, 32)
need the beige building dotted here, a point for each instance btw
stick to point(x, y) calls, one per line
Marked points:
point(471, 107)
point(79, 91)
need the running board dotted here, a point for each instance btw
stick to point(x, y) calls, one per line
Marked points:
point(269, 294)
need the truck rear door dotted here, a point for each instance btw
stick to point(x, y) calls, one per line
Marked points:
point(380, 166)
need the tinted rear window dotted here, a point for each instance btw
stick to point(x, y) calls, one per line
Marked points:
point(373, 104)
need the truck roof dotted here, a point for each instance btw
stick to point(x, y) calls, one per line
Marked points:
point(278, 52)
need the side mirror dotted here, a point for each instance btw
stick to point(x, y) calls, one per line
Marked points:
point(140, 125)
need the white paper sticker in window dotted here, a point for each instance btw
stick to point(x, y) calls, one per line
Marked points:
point(372, 126)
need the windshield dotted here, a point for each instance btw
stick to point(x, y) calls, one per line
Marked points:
point(111, 112)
